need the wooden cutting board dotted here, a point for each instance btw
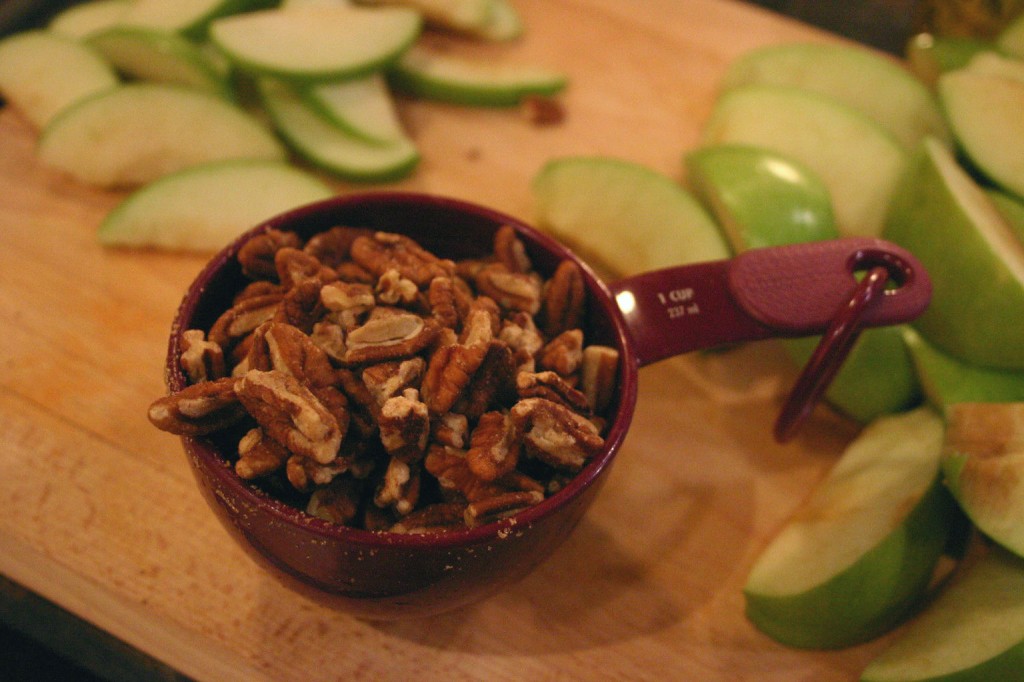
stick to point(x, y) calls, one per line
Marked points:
point(102, 517)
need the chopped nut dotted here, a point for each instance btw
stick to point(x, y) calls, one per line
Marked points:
point(399, 489)
point(404, 425)
point(201, 360)
point(554, 434)
point(393, 289)
point(451, 429)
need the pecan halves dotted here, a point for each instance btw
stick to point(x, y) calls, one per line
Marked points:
point(433, 518)
point(388, 379)
point(293, 352)
point(563, 353)
point(511, 290)
point(554, 434)
point(200, 359)
point(332, 247)
point(243, 318)
point(290, 414)
point(259, 455)
point(404, 426)
point(388, 337)
point(386, 250)
point(510, 251)
point(564, 303)
point(257, 255)
point(498, 507)
point(295, 266)
point(598, 376)
point(198, 409)
point(494, 446)
point(337, 502)
point(554, 387)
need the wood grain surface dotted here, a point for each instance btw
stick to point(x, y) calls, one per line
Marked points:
point(102, 517)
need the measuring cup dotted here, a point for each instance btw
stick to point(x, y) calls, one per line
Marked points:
point(789, 291)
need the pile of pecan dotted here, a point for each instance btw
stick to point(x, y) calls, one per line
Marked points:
point(395, 390)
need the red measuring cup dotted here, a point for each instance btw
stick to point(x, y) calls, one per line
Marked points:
point(789, 291)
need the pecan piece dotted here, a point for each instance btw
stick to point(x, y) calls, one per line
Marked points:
point(201, 360)
point(304, 474)
point(292, 352)
point(295, 266)
point(450, 429)
point(520, 332)
point(330, 338)
point(511, 290)
point(242, 319)
point(198, 409)
point(494, 446)
point(257, 255)
point(290, 414)
point(448, 302)
point(337, 502)
point(563, 353)
point(510, 251)
point(394, 289)
point(333, 247)
point(554, 434)
point(388, 379)
point(564, 301)
point(598, 376)
point(498, 507)
point(404, 426)
point(301, 306)
point(348, 300)
point(399, 489)
point(433, 518)
point(389, 337)
point(386, 250)
point(259, 455)
point(493, 383)
point(555, 388)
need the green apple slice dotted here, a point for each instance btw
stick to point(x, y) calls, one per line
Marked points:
point(136, 133)
point(998, 65)
point(190, 17)
point(330, 147)
point(80, 21)
point(624, 217)
point(973, 632)
point(858, 160)
point(431, 74)
point(866, 81)
point(760, 198)
point(984, 110)
point(878, 376)
point(858, 556)
point(947, 381)
point(983, 463)
point(316, 42)
point(1011, 38)
point(505, 23)
point(975, 261)
point(29, 81)
point(204, 207)
point(1012, 210)
point(160, 56)
point(363, 107)
point(929, 56)
point(457, 15)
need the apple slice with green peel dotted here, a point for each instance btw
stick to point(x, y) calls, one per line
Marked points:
point(624, 217)
point(998, 65)
point(857, 159)
point(204, 207)
point(973, 632)
point(457, 15)
point(504, 24)
point(983, 463)
point(946, 381)
point(984, 110)
point(858, 556)
point(362, 107)
point(135, 133)
point(929, 56)
point(1011, 38)
point(29, 81)
point(316, 42)
point(189, 17)
point(1012, 210)
point(328, 146)
point(759, 197)
point(160, 56)
point(431, 74)
point(873, 84)
point(80, 21)
point(878, 376)
point(975, 261)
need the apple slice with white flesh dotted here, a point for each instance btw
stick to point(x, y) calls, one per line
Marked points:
point(324, 144)
point(929, 56)
point(983, 463)
point(504, 24)
point(362, 107)
point(873, 84)
point(29, 81)
point(136, 133)
point(973, 632)
point(976, 263)
point(624, 217)
point(432, 74)
point(857, 159)
point(759, 197)
point(456, 15)
point(984, 110)
point(80, 21)
point(316, 41)
point(159, 56)
point(1012, 210)
point(997, 64)
point(204, 207)
point(858, 556)
point(946, 381)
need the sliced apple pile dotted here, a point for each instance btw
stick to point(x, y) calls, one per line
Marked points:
point(148, 88)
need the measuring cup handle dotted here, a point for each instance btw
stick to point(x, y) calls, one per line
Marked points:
point(772, 292)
